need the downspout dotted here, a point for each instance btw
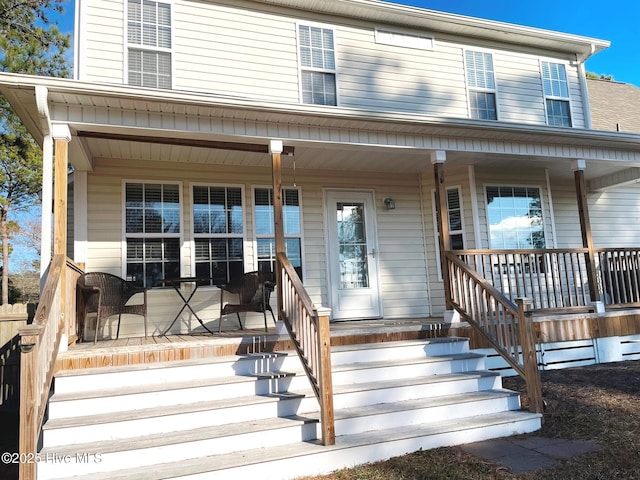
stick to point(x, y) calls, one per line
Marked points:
point(586, 107)
point(46, 240)
point(424, 243)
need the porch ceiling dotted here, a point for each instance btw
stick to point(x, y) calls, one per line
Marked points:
point(317, 156)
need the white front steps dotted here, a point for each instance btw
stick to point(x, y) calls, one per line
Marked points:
point(255, 415)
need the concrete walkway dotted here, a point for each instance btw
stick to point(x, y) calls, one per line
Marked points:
point(527, 454)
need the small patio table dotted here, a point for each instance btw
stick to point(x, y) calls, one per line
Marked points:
point(176, 283)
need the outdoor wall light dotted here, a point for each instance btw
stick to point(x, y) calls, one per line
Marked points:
point(390, 203)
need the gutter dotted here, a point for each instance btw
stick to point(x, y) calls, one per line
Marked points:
point(308, 114)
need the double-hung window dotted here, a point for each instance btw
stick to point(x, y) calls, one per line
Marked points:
point(265, 240)
point(149, 43)
point(556, 94)
point(481, 85)
point(515, 217)
point(317, 65)
point(218, 231)
point(152, 232)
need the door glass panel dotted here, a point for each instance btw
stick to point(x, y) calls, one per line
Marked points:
point(352, 245)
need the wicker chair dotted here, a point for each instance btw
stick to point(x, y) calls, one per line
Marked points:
point(253, 290)
point(107, 295)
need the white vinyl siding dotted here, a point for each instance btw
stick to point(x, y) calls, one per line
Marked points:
point(214, 50)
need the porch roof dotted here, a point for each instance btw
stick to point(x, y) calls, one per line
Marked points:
point(106, 118)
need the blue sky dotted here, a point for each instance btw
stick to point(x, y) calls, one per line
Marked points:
point(613, 20)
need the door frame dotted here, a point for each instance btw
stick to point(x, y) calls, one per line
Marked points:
point(371, 244)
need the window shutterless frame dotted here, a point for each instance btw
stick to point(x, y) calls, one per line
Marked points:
point(152, 232)
point(557, 93)
point(218, 229)
point(264, 239)
point(317, 63)
point(480, 80)
point(148, 41)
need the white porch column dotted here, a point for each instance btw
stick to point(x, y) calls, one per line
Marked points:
point(275, 150)
point(438, 157)
point(579, 166)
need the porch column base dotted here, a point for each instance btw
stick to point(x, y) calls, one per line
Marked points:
point(280, 328)
point(451, 316)
point(599, 306)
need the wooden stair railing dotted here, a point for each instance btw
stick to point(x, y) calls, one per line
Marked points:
point(507, 327)
point(309, 332)
point(39, 346)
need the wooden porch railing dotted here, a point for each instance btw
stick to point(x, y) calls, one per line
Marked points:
point(557, 279)
point(619, 270)
point(310, 334)
point(552, 279)
point(40, 344)
point(506, 326)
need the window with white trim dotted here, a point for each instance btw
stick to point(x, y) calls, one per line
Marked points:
point(556, 94)
point(218, 232)
point(456, 227)
point(515, 217)
point(481, 85)
point(317, 65)
point(149, 43)
point(152, 232)
point(292, 219)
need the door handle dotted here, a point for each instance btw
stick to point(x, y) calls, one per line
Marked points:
point(373, 252)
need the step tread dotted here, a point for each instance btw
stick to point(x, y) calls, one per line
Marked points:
point(151, 388)
point(396, 343)
point(405, 361)
point(262, 455)
point(162, 411)
point(403, 382)
point(168, 364)
point(184, 436)
point(418, 403)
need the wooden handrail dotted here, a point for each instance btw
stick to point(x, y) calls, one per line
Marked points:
point(309, 331)
point(39, 346)
point(507, 327)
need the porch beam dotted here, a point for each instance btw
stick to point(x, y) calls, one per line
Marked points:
point(275, 150)
point(628, 176)
point(585, 226)
point(438, 157)
point(187, 142)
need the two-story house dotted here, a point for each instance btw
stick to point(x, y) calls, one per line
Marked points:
point(383, 125)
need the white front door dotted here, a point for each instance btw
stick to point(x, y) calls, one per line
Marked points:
point(352, 253)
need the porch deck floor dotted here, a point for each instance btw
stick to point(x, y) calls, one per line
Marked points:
point(136, 350)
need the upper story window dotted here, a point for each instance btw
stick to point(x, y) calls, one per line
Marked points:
point(556, 93)
point(218, 232)
point(317, 65)
point(481, 84)
point(149, 43)
point(292, 220)
point(515, 217)
point(152, 232)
